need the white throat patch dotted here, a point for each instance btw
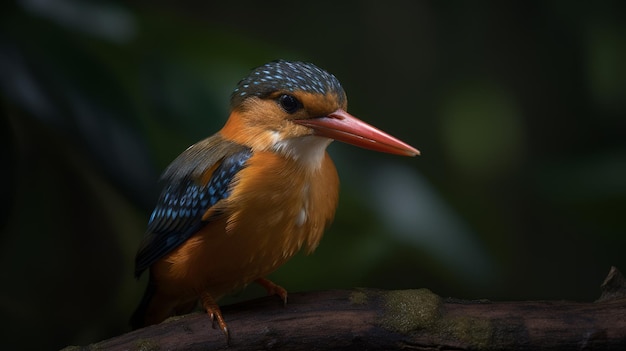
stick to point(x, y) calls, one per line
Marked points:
point(308, 150)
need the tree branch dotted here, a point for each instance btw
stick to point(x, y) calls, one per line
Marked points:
point(376, 319)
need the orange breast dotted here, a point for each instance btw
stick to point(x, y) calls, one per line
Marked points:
point(276, 207)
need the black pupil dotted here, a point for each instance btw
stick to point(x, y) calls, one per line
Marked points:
point(289, 103)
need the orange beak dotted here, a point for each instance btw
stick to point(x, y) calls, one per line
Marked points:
point(342, 126)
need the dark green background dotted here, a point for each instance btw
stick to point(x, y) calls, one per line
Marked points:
point(519, 109)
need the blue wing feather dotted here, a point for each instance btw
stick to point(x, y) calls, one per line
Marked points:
point(183, 202)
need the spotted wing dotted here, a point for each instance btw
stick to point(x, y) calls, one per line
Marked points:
point(186, 197)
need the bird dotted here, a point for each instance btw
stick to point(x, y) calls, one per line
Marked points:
point(240, 203)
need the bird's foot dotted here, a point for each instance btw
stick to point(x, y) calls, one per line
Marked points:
point(273, 289)
point(215, 314)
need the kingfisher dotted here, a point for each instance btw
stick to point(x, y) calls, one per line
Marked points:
point(239, 204)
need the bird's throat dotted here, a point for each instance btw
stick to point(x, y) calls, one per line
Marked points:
point(308, 150)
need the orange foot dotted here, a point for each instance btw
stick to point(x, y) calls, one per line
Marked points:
point(213, 310)
point(273, 289)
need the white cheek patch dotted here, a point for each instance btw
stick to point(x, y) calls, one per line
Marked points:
point(275, 136)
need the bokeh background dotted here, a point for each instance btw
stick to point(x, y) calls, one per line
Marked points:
point(518, 107)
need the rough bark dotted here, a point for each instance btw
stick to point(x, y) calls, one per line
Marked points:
point(363, 319)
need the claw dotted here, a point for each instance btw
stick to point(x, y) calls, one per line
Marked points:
point(215, 314)
point(273, 289)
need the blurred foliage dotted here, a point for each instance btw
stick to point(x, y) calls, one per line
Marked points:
point(519, 109)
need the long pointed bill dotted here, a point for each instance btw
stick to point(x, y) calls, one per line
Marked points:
point(342, 126)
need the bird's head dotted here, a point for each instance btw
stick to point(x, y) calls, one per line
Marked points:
point(297, 108)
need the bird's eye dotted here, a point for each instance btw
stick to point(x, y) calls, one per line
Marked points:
point(289, 103)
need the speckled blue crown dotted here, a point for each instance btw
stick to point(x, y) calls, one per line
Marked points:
point(286, 76)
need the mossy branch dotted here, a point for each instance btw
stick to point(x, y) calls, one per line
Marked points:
point(372, 319)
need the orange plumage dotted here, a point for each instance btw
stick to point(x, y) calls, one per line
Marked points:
point(239, 204)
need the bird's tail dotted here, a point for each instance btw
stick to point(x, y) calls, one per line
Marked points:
point(138, 319)
point(155, 307)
